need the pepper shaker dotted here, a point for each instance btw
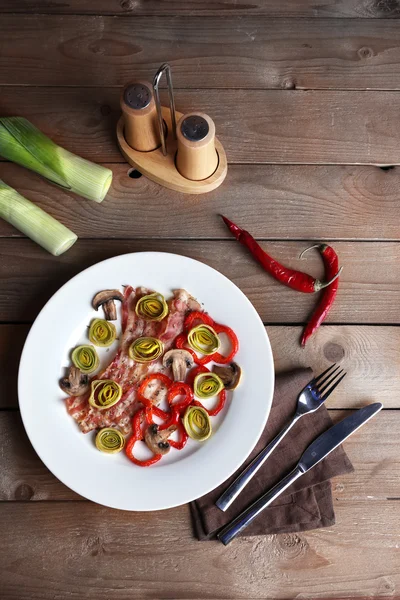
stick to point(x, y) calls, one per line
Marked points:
point(197, 157)
point(140, 116)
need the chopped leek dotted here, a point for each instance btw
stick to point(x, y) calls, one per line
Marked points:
point(85, 358)
point(152, 307)
point(207, 385)
point(197, 424)
point(23, 143)
point(105, 393)
point(102, 332)
point(204, 339)
point(146, 349)
point(110, 440)
point(34, 222)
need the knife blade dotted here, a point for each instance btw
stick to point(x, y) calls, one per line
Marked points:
point(316, 451)
point(331, 439)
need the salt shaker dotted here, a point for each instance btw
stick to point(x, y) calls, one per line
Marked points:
point(140, 116)
point(197, 157)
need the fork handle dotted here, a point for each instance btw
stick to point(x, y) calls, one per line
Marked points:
point(248, 473)
point(233, 528)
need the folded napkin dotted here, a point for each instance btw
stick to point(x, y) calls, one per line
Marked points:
point(307, 503)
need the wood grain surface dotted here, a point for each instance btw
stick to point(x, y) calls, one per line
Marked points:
point(274, 8)
point(122, 555)
point(25, 477)
point(370, 355)
point(272, 201)
point(317, 127)
point(369, 291)
point(305, 98)
point(269, 53)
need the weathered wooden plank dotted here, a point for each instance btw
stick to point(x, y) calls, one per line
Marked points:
point(255, 52)
point(282, 127)
point(370, 356)
point(373, 451)
point(272, 201)
point(151, 555)
point(370, 288)
point(12, 339)
point(273, 8)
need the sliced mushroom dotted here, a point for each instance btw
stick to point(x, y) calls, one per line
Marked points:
point(180, 361)
point(76, 383)
point(229, 374)
point(157, 441)
point(106, 300)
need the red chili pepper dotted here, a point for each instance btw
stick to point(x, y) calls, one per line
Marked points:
point(331, 263)
point(302, 282)
point(217, 408)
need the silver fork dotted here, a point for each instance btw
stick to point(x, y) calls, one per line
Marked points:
point(310, 399)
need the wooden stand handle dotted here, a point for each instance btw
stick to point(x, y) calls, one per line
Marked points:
point(140, 116)
point(197, 158)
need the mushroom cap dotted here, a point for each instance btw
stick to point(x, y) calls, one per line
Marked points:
point(75, 383)
point(229, 374)
point(157, 441)
point(105, 296)
point(180, 361)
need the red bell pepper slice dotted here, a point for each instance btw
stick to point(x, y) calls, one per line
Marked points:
point(179, 389)
point(181, 340)
point(183, 438)
point(194, 372)
point(231, 335)
point(136, 437)
point(217, 408)
point(147, 403)
point(181, 343)
point(196, 315)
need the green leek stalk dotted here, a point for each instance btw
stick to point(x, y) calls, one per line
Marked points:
point(23, 143)
point(34, 222)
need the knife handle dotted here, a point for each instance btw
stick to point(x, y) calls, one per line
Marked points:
point(233, 528)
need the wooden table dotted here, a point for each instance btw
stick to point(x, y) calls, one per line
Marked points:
point(305, 97)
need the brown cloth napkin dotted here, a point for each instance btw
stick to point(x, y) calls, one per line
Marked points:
point(308, 505)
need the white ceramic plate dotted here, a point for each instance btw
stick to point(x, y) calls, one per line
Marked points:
point(181, 476)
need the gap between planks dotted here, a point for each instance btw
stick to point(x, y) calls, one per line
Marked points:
point(370, 355)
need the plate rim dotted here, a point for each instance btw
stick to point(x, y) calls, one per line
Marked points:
point(37, 323)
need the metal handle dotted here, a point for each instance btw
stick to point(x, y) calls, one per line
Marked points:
point(245, 476)
point(231, 530)
point(167, 69)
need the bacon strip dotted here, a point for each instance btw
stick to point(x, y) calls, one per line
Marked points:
point(124, 370)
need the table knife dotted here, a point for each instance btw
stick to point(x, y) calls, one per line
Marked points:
point(315, 452)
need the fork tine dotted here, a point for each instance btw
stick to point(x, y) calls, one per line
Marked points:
point(329, 392)
point(328, 377)
point(316, 379)
point(323, 385)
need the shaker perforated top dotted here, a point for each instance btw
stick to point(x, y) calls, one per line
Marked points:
point(137, 96)
point(194, 128)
